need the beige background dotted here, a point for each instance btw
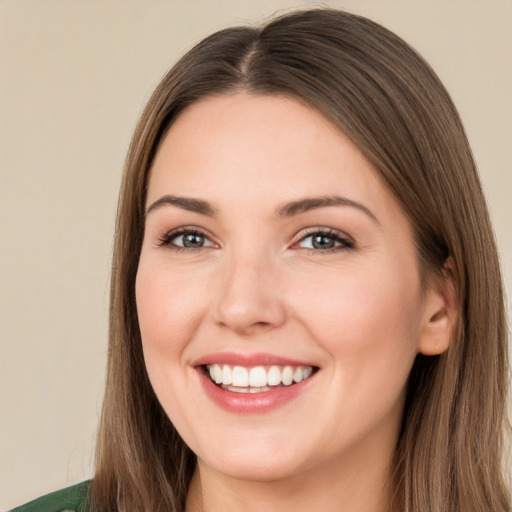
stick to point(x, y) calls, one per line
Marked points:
point(74, 76)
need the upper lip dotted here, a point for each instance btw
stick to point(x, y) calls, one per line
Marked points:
point(248, 360)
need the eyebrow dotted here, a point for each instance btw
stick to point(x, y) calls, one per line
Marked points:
point(288, 209)
point(186, 203)
point(306, 204)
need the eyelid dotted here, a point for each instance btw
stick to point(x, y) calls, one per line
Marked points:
point(166, 239)
point(347, 242)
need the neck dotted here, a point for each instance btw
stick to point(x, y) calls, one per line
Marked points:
point(357, 485)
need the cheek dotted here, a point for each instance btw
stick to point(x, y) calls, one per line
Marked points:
point(168, 303)
point(367, 319)
point(167, 307)
point(368, 323)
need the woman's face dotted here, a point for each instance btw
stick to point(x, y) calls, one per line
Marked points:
point(273, 253)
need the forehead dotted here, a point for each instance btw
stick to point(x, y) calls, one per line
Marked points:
point(253, 149)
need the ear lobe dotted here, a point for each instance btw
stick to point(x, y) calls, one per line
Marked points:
point(440, 314)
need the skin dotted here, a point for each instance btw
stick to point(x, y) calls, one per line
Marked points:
point(357, 312)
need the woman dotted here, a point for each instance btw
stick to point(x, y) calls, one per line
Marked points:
point(306, 302)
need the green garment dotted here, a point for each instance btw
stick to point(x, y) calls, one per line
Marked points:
point(71, 499)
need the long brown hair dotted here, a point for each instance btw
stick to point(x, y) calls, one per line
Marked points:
point(389, 102)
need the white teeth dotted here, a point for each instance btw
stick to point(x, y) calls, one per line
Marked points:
point(287, 377)
point(217, 374)
point(258, 378)
point(227, 375)
point(247, 390)
point(274, 376)
point(240, 377)
point(298, 375)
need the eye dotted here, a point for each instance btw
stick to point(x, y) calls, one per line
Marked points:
point(186, 239)
point(325, 241)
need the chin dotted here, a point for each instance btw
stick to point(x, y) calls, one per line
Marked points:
point(261, 462)
point(262, 470)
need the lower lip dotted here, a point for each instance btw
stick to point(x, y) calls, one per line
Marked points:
point(252, 403)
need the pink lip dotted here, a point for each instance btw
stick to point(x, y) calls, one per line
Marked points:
point(257, 359)
point(250, 403)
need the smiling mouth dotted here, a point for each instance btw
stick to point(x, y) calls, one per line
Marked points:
point(256, 379)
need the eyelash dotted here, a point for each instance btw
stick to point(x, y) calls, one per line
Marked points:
point(167, 239)
point(338, 237)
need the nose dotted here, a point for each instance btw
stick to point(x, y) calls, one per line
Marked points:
point(250, 300)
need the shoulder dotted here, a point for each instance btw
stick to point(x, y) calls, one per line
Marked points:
point(72, 499)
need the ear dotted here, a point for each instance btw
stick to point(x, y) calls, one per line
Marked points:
point(440, 314)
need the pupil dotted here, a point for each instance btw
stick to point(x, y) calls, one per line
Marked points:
point(193, 240)
point(323, 242)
